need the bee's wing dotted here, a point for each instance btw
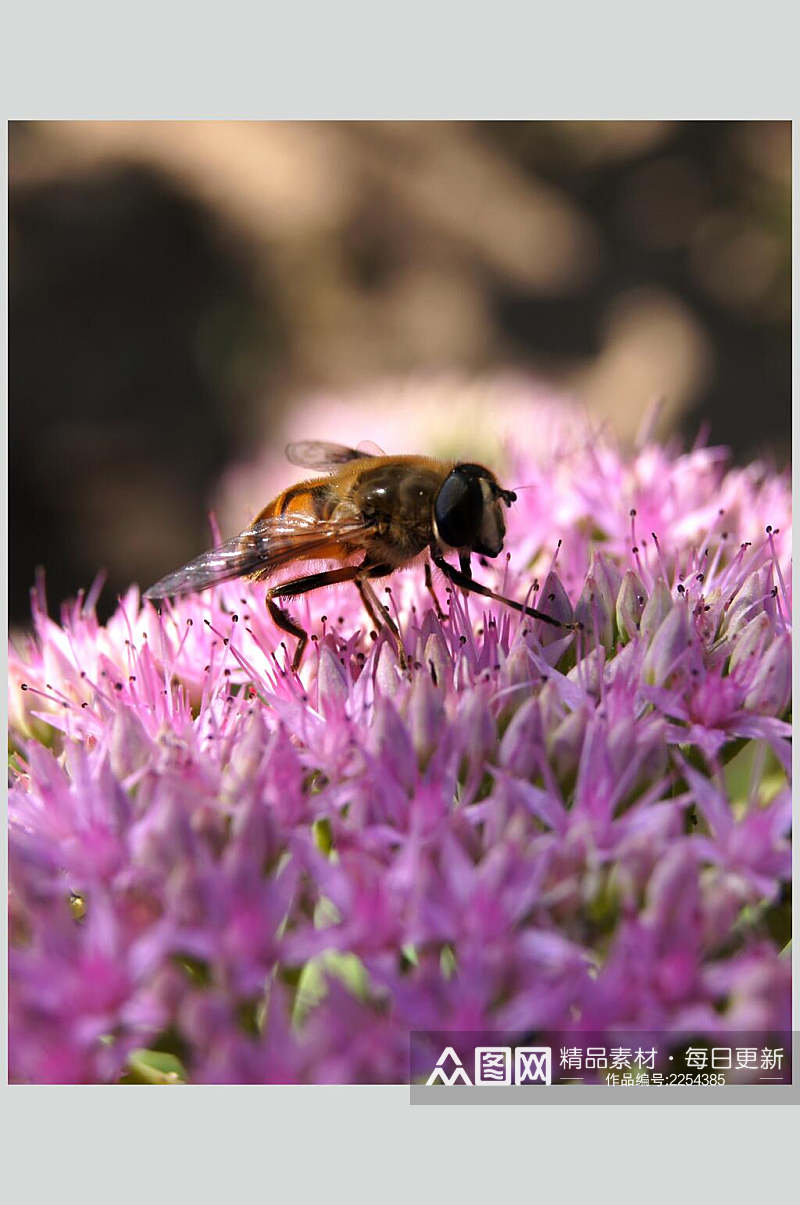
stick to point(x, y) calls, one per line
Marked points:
point(260, 550)
point(368, 448)
point(315, 454)
point(233, 558)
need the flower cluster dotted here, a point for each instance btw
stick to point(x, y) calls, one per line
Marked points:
point(227, 872)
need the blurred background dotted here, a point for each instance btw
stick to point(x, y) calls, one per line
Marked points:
point(177, 287)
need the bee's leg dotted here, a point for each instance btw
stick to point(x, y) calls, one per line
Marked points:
point(371, 603)
point(285, 622)
point(440, 615)
point(467, 583)
point(379, 614)
point(302, 585)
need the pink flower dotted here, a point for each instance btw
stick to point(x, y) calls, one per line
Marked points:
point(279, 876)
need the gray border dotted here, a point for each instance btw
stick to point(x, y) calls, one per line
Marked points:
point(421, 60)
point(783, 1094)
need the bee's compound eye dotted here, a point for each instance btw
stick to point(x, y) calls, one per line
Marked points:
point(458, 509)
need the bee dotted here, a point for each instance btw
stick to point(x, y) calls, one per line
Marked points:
point(372, 514)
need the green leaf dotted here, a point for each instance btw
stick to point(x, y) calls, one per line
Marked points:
point(312, 987)
point(323, 835)
point(754, 770)
point(155, 1067)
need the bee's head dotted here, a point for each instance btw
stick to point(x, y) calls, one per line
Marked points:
point(468, 510)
